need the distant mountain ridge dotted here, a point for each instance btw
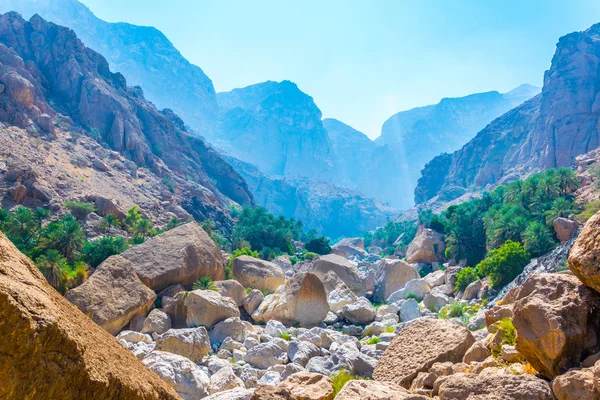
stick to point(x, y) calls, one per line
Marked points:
point(548, 131)
point(142, 54)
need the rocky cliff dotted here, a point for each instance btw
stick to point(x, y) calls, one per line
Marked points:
point(550, 130)
point(142, 54)
point(276, 127)
point(53, 84)
point(416, 136)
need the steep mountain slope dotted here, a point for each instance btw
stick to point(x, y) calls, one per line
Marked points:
point(351, 152)
point(330, 209)
point(550, 130)
point(276, 127)
point(416, 136)
point(142, 54)
point(53, 86)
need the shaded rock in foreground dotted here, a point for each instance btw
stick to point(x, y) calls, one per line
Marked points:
point(52, 351)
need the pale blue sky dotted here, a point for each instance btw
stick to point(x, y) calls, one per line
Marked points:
point(363, 61)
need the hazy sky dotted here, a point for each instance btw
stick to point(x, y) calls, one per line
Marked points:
point(362, 61)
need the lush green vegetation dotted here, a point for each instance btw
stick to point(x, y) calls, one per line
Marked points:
point(285, 336)
point(266, 233)
point(318, 245)
point(58, 245)
point(388, 234)
point(413, 296)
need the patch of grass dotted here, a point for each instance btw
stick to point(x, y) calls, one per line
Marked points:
point(413, 296)
point(456, 310)
point(562, 267)
point(390, 329)
point(373, 340)
point(286, 336)
point(340, 379)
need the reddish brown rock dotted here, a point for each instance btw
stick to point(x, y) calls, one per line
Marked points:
point(584, 257)
point(494, 387)
point(557, 322)
point(52, 351)
point(574, 385)
point(298, 386)
point(373, 390)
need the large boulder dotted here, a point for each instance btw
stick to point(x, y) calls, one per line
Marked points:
point(192, 343)
point(495, 387)
point(188, 380)
point(233, 328)
point(391, 277)
point(418, 288)
point(156, 322)
point(417, 347)
point(257, 274)
point(50, 350)
point(575, 384)
point(21, 91)
point(338, 293)
point(181, 255)
point(266, 355)
point(373, 390)
point(232, 289)
point(557, 321)
point(427, 247)
point(106, 206)
point(584, 257)
point(360, 312)
point(343, 268)
point(232, 394)
point(207, 307)
point(298, 386)
point(350, 247)
point(565, 229)
point(301, 301)
point(112, 295)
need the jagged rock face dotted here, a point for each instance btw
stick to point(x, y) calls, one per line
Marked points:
point(331, 209)
point(142, 54)
point(416, 136)
point(276, 127)
point(548, 131)
point(81, 85)
point(51, 350)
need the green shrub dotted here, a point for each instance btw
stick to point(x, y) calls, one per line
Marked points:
point(589, 210)
point(373, 340)
point(79, 209)
point(309, 255)
point(510, 333)
point(456, 310)
point(170, 183)
point(504, 264)
point(285, 336)
point(319, 246)
point(340, 379)
point(413, 296)
point(464, 278)
point(204, 283)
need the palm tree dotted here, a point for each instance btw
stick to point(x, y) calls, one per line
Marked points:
point(143, 228)
point(66, 235)
point(567, 180)
point(22, 226)
point(537, 239)
point(110, 221)
point(41, 214)
point(204, 283)
point(561, 207)
point(54, 267)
